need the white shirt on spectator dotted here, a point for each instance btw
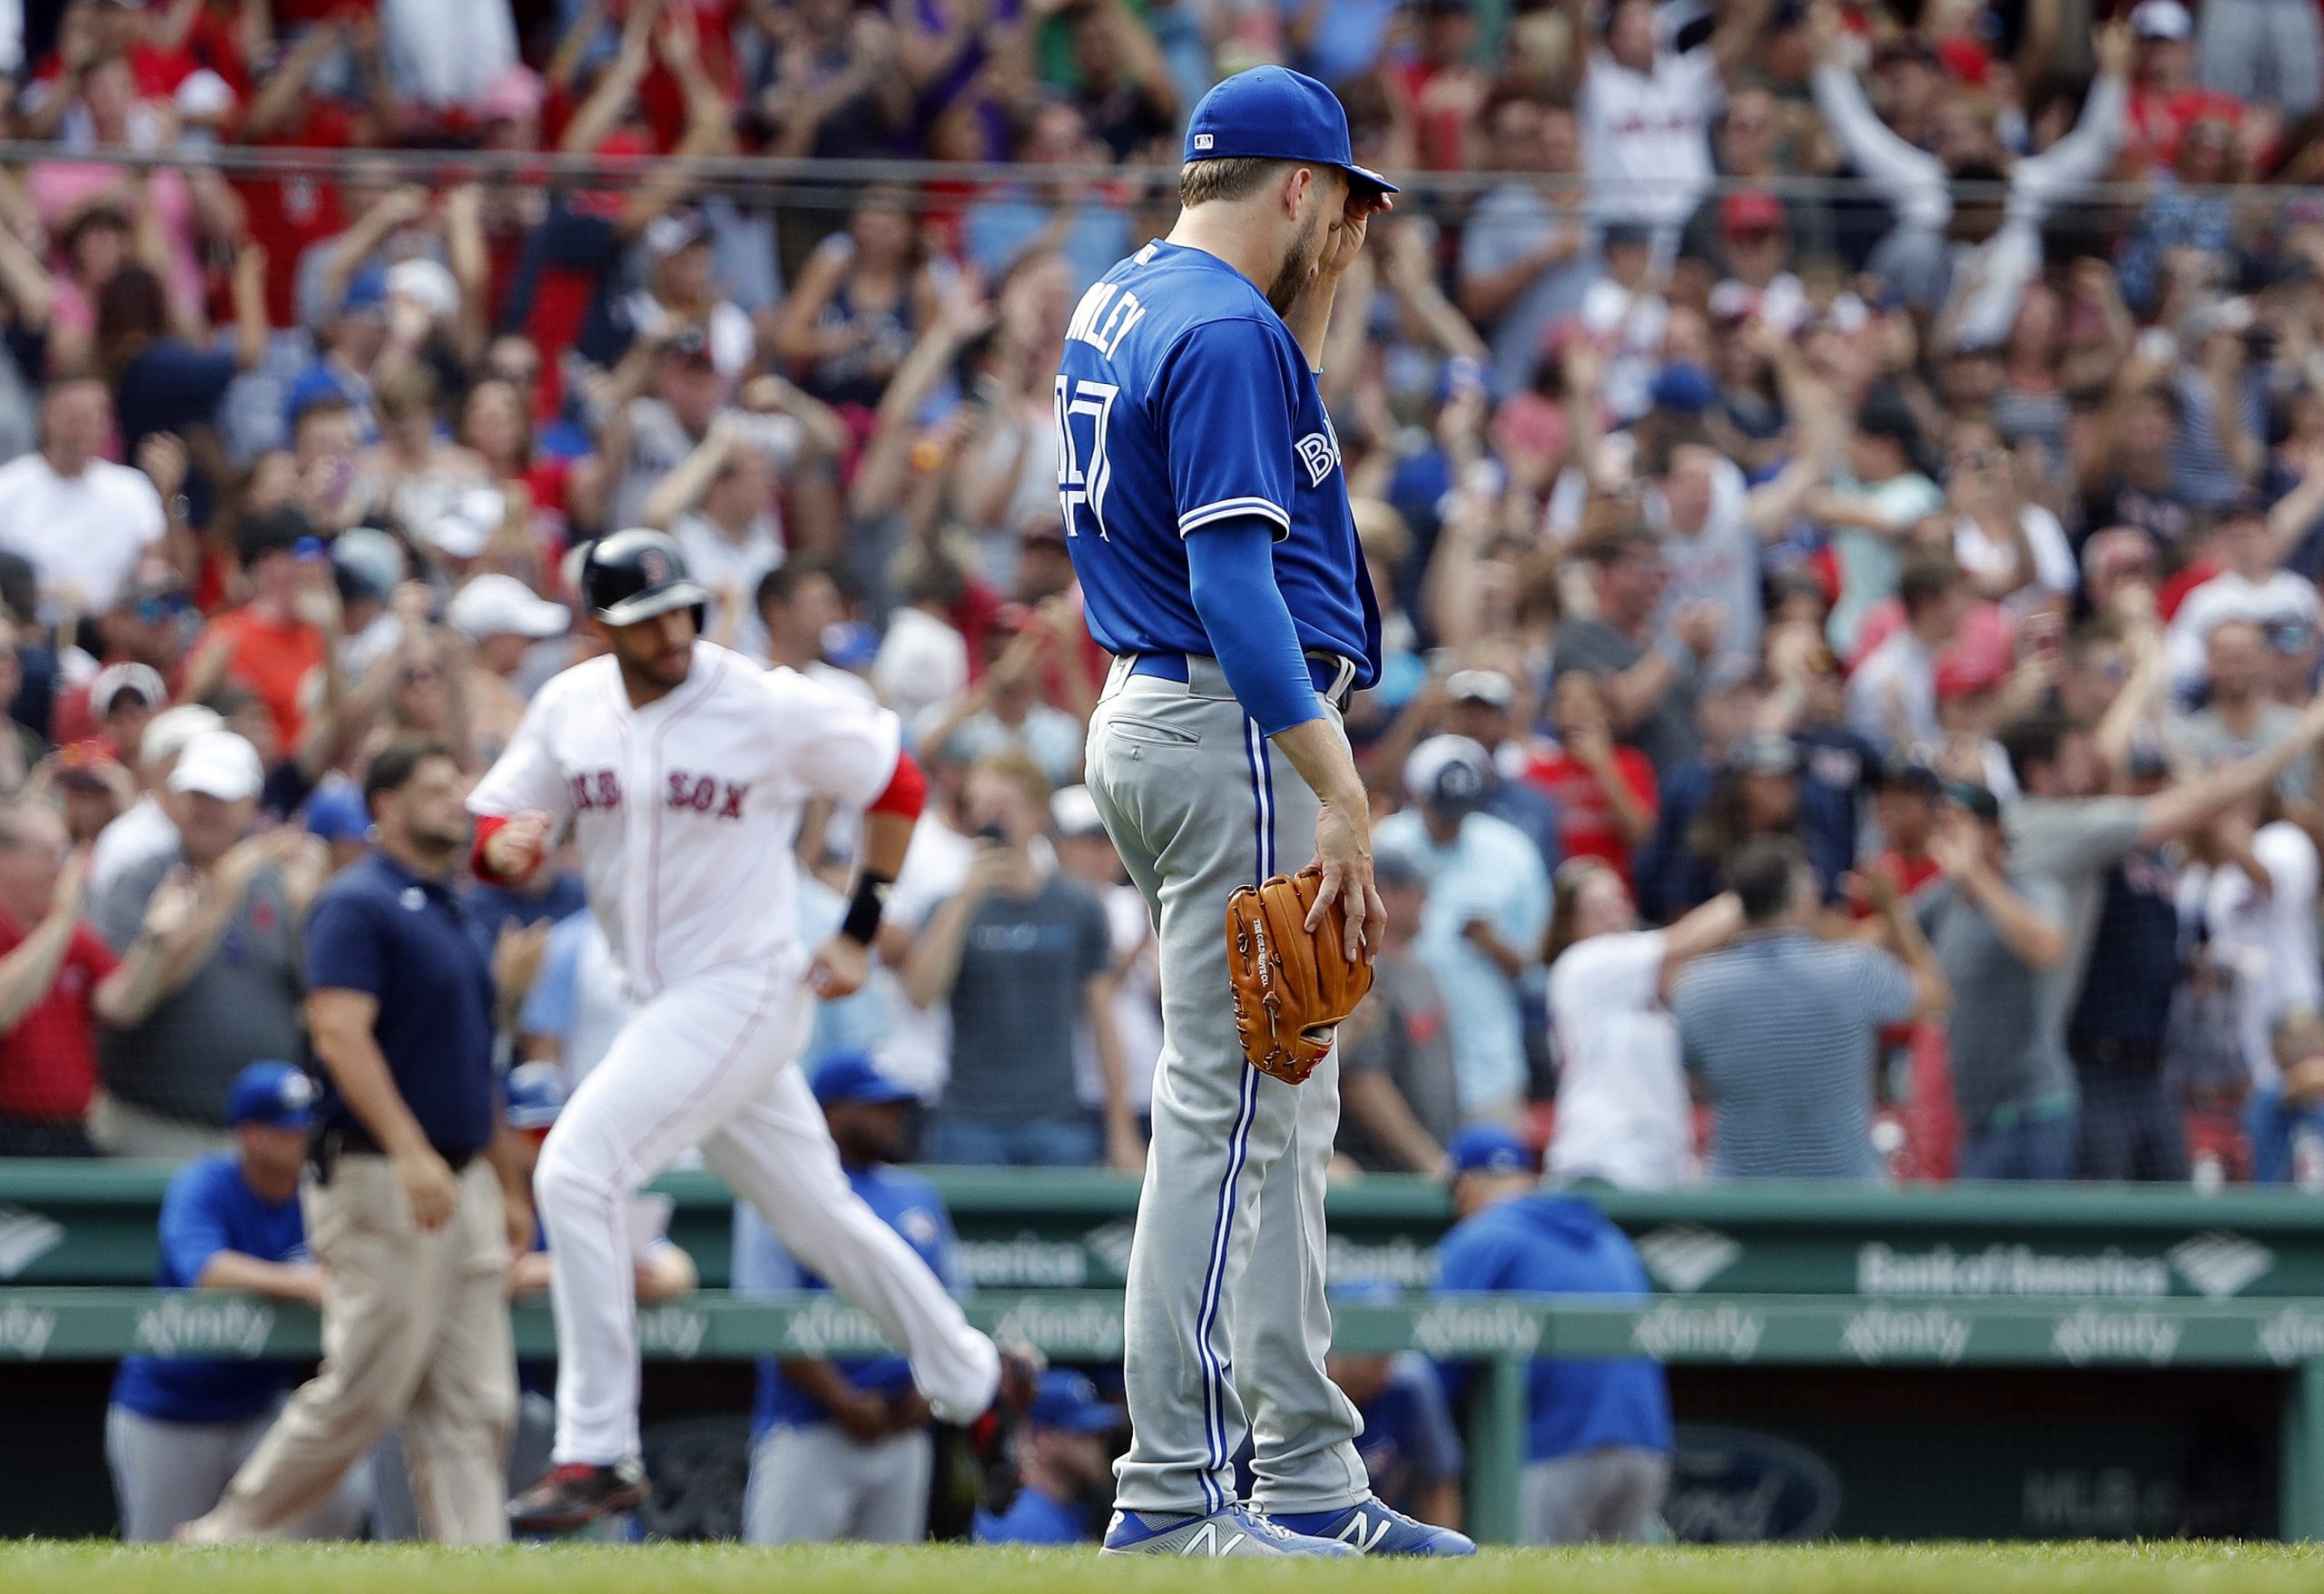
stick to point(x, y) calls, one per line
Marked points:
point(1891, 695)
point(1624, 1114)
point(82, 533)
point(445, 52)
point(921, 661)
point(1717, 563)
point(2267, 938)
point(1630, 326)
point(2054, 570)
point(730, 569)
point(143, 831)
point(729, 338)
point(1646, 135)
point(2282, 599)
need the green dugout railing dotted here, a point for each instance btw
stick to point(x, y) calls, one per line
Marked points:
point(80, 1222)
point(2107, 1279)
point(1501, 1332)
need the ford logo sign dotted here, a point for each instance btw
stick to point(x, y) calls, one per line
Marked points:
point(1734, 1486)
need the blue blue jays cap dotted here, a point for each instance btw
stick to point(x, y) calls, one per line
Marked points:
point(852, 1076)
point(336, 813)
point(536, 1095)
point(1275, 114)
point(1488, 1148)
point(1067, 1400)
point(274, 1094)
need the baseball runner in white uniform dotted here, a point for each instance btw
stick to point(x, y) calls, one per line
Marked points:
point(681, 770)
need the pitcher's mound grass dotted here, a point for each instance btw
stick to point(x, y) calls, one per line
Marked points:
point(37, 1568)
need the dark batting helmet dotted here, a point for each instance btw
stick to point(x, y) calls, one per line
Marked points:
point(636, 575)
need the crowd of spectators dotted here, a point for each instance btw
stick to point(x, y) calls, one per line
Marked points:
point(1848, 581)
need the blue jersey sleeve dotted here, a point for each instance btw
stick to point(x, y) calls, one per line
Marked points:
point(1231, 575)
point(549, 1006)
point(193, 1224)
point(1226, 399)
point(344, 947)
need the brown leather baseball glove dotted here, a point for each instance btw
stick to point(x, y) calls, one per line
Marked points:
point(1293, 987)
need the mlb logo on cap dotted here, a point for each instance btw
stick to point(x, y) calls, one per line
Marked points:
point(1202, 140)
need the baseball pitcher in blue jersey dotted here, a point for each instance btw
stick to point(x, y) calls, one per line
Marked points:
point(1207, 516)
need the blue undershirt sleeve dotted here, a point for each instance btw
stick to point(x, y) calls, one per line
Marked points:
point(1231, 566)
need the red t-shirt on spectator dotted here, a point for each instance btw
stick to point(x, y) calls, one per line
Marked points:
point(288, 215)
point(48, 1062)
point(2175, 590)
point(2158, 121)
point(1586, 827)
point(271, 657)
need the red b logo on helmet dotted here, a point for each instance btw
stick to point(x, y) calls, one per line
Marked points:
point(653, 566)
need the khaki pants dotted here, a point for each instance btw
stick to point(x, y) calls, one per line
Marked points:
point(415, 1331)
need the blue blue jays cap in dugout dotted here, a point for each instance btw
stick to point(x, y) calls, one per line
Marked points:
point(1067, 1400)
point(852, 1076)
point(1488, 1148)
point(535, 1093)
point(1275, 114)
point(274, 1094)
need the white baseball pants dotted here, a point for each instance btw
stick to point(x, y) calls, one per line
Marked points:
point(711, 1062)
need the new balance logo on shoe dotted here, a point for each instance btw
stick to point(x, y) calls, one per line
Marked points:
point(1353, 1533)
point(1207, 1542)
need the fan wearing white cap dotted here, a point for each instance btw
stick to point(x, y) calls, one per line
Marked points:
point(502, 620)
point(1487, 909)
point(124, 698)
point(144, 828)
point(223, 906)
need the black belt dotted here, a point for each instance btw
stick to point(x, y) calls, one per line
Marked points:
point(330, 1144)
point(1334, 677)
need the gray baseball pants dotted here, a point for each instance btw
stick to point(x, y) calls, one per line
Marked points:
point(1227, 1324)
point(817, 1486)
point(165, 1473)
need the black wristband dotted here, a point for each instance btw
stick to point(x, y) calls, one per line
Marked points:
point(861, 924)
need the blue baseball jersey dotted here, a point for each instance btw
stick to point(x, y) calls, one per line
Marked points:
point(1034, 1518)
point(209, 1208)
point(1184, 401)
point(907, 1203)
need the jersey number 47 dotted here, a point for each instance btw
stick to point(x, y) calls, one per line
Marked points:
point(1083, 473)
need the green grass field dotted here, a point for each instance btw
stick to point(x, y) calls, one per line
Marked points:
point(2099, 1568)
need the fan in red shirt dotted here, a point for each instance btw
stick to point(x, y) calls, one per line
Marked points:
point(2165, 98)
point(1441, 93)
point(54, 974)
point(290, 213)
point(1905, 805)
point(1605, 793)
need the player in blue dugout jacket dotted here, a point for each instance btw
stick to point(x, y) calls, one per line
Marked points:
point(178, 1429)
point(841, 1447)
point(1598, 1439)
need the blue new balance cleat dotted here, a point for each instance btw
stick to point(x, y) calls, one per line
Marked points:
point(1235, 1530)
point(1373, 1528)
